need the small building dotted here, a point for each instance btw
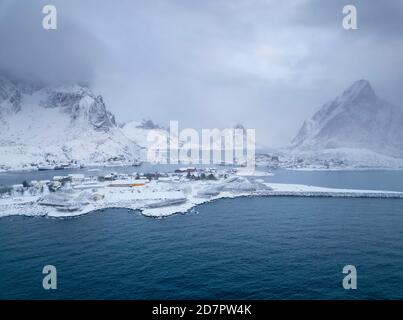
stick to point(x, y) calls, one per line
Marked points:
point(76, 176)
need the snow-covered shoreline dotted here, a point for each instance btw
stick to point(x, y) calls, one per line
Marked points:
point(76, 195)
point(89, 166)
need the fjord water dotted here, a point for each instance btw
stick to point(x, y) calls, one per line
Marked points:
point(246, 248)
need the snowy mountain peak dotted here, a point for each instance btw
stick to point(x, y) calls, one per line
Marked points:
point(357, 119)
point(148, 124)
point(360, 90)
point(54, 125)
point(239, 126)
point(81, 104)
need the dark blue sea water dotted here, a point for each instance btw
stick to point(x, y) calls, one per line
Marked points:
point(248, 248)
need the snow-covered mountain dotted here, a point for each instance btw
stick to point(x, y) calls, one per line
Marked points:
point(10, 98)
point(140, 131)
point(358, 120)
point(155, 138)
point(55, 125)
point(145, 134)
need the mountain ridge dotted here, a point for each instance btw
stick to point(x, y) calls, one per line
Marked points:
point(53, 125)
point(358, 119)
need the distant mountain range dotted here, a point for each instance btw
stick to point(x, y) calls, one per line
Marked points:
point(49, 126)
point(357, 120)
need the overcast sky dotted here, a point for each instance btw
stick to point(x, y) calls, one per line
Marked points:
point(213, 63)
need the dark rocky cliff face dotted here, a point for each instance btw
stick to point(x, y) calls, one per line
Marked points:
point(82, 105)
point(77, 101)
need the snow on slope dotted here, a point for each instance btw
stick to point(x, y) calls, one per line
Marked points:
point(56, 125)
point(139, 132)
point(144, 134)
point(10, 98)
point(357, 120)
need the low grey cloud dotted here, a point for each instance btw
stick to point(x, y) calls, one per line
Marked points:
point(35, 55)
point(213, 63)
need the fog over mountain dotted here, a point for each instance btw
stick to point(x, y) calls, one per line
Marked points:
point(54, 125)
point(265, 64)
point(357, 119)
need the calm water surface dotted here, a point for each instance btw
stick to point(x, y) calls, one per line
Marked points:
point(248, 248)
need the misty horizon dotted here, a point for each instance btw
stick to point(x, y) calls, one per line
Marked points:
point(266, 65)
